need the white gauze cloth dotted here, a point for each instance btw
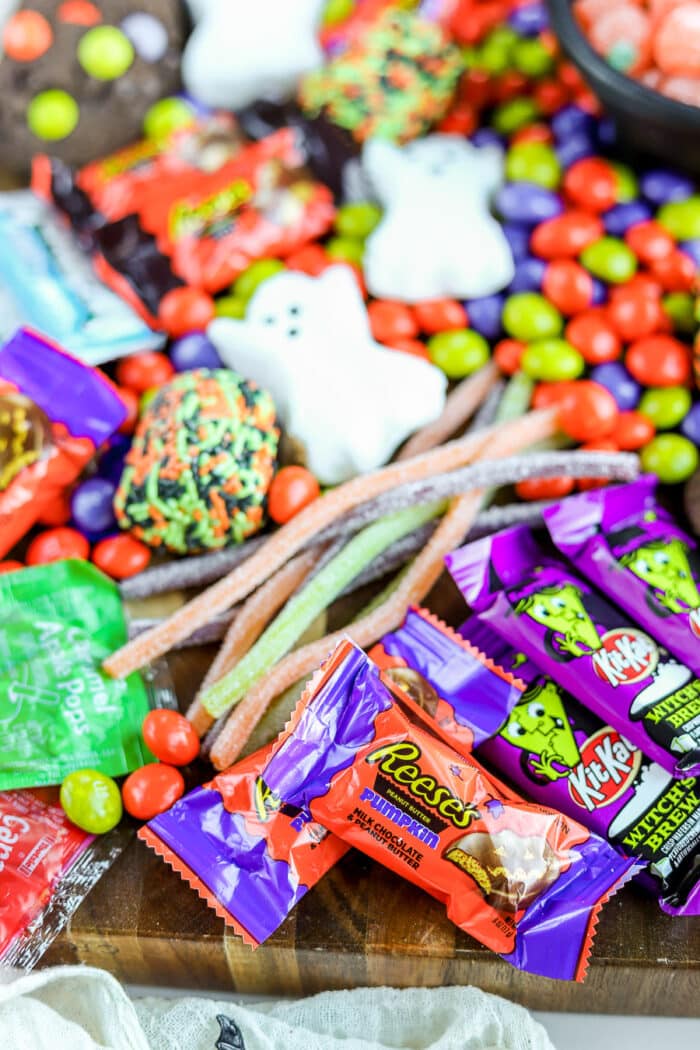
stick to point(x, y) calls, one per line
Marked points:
point(79, 1008)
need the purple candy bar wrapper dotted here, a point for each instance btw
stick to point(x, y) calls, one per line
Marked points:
point(538, 604)
point(337, 760)
point(560, 754)
point(629, 547)
point(470, 697)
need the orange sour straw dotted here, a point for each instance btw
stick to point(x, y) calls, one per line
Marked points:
point(412, 590)
point(460, 404)
point(284, 543)
point(247, 627)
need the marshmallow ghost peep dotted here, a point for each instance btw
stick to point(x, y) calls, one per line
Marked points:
point(349, 401)
point(240, 51)
point(437, 238)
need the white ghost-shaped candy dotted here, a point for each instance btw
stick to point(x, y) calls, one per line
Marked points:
point(437, 238)
point(348, 400)
point(240, 51)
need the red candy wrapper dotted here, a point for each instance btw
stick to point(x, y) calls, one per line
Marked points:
point(47, 868)
point(524, 880)
point(46, 435)
point(250, 869)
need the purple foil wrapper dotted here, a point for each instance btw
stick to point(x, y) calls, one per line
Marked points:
point(629, 547)
point(538, 604)
point(561, 755)
point(350, 708)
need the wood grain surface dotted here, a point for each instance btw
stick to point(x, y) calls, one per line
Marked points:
point(362, 925)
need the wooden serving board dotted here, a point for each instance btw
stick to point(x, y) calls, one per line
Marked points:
point(363, 925)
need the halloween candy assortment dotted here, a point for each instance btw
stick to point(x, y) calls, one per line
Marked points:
point(381, 283)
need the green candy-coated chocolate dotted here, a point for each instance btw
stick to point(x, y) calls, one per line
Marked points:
point(251, 279)
point(337, 11)
point(679, 306)
point(52, 115)
point(532, 58)
point(92, 801)
point(230, 306)
point(552, 360)
point(357, 220)
point(671, 457)
point(533, 162)
point(514, 114)
point(627, 185)
point(458, 353)
point(166, 116)
point(610, 259)
point(681, 218)
point(528, 316)
point(105, 53)
point(345, 249)
point(665, 406)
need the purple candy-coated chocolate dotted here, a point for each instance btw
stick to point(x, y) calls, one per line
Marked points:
point(606, 132)
point(232, 862)
point(662, 185)
point(66, 389)
point(620, 217)
point(518, 238)
point(692, 248)
point(485, 315)
point(529, 274)
point(571, 120)
point(529, 20)
point(690, 427)
point(574, 148)
point(339, 720)
point(481, 699)
point(614, 377)
point(527, 204)
point(91, 506)
point(585, 644)
point(637, 555)
point(487, 137)
point(111, 462)
point(569, 759)
point(194, 350)
point(600, 292)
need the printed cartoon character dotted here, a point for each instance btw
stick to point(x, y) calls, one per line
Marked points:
point(539, 727)
point(560, 609)
point(665, 567)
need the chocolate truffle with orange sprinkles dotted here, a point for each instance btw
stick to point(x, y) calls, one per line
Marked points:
point(394, 82)
point(202, 460)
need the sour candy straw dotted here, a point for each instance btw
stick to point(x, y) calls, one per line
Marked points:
point(412, 590)
point(460, 404)
point(248, 625)
point(319, 593)
point(287, 541)
point(196, 571)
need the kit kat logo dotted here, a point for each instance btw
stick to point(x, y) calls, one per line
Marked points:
point(626, 656)
point(607, 768)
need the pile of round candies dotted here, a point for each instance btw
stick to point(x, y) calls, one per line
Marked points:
point(95, 802)
point(655, 41)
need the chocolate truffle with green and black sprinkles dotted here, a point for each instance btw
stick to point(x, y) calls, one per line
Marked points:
point(202, 460)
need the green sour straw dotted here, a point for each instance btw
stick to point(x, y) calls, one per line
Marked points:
point(319, 593)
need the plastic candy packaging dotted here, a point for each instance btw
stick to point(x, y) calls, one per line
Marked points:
point(464, 692)
point(46, 437)
point(506, 870)
point(538, 604)
point(560, 754)
point(50, 285)
point(59, 711)
point(636, 554)
point(47, 868)
point(250, 867)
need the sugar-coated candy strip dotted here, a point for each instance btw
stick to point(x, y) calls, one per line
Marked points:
point(195, 571)
point(316, 596)
point(247, 627)
point(460, 404)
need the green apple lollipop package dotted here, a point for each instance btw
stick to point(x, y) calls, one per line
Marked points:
point(588, 646)
point(59, 711)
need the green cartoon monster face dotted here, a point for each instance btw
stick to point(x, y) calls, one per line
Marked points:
point(538, 725)
point(665, 567)
point(561, 610)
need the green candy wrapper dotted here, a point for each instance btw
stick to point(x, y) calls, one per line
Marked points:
point(58, 710)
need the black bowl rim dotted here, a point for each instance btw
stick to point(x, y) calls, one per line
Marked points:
point(636, 98)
